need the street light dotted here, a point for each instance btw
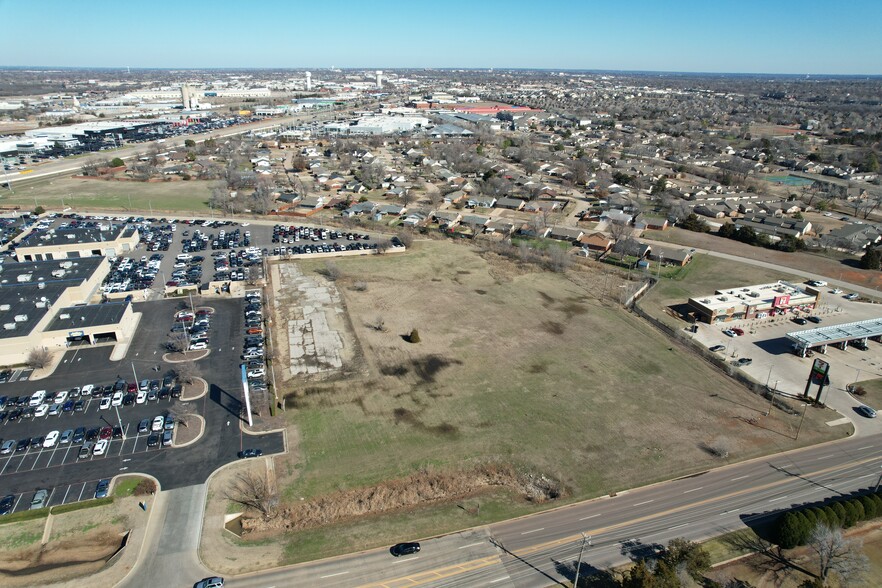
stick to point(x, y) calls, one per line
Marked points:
point(799, 428)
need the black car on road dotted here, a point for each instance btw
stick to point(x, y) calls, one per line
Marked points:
point(404, 549)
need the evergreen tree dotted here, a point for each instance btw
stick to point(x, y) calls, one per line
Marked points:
point(869, 508)
point(871, 260)
point(789, 530)
point(638, 576)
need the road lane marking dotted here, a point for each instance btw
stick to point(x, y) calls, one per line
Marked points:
point(591, 517)
point(866, 447)
point(533, 531)
point(499, 579)
point(823, 457)
point(471, 545)
point(332, 575)
point(408, 559)
point(644, 502)
point(739, 478)
point(678, 526)
point(677, 509)
point(779, 498)
point(693, 490)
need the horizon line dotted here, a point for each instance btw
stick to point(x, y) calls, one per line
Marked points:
point(445, 68)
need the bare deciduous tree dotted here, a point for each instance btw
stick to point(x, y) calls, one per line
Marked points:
point(836, 554)
point(89, 168)
point(253, 490)
point(39, 357)
point(177, 342)
point(186, 372)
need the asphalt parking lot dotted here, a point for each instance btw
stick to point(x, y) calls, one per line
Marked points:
point(72, 478)
point(154, 264)
point(773, 363)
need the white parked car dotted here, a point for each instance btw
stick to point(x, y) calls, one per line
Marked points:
point(257, 373)
point(199, 346)
point(117, 398)
point(37, 398)
point(60, 397)
point(100, 447)
point(142, 397)
point(158, 424)
point(51, 439)
point(105, 403)
point(41, 410)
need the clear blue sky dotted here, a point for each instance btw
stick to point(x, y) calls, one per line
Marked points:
point(754, 36)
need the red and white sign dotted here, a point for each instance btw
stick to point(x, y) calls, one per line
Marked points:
point(782, 301)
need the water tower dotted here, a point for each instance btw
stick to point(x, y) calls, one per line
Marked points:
point(308, 81)
point(379, 78)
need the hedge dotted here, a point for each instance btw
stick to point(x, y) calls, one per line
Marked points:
point(794, 527)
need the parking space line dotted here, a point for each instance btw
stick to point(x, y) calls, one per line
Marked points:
point(83, 489)
point(6, 465)
point(65, 493)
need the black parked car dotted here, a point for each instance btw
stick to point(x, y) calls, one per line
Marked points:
point(6, 504)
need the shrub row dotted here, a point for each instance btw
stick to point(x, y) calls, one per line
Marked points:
point(794, 527)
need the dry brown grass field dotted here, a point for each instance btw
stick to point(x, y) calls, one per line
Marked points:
point(517, 366)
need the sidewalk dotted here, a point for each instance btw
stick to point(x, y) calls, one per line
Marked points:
point(128, 560)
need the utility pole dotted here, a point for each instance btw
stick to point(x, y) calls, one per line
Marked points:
point(581, 550)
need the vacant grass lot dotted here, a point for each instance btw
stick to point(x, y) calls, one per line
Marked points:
point(178, 196)
point(514, 366)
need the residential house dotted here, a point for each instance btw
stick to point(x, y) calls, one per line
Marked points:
point(455, 197)
point(359, 208)
point(564, 234)
point(652, 223)
point(481, 201)
point(851, 237)
point(510, 203)
point(774, 226)
point(596, 242)
point(414, 219)
point(446, 218)
point(312, 202)
point(541, 206)
point(618, 217)
point(393, 209)
point(474, 220)
point(672, 255)
point(499, 226)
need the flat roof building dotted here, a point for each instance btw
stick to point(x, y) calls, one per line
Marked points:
point(757, 301)
point(46, 304)
point(76, 242)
